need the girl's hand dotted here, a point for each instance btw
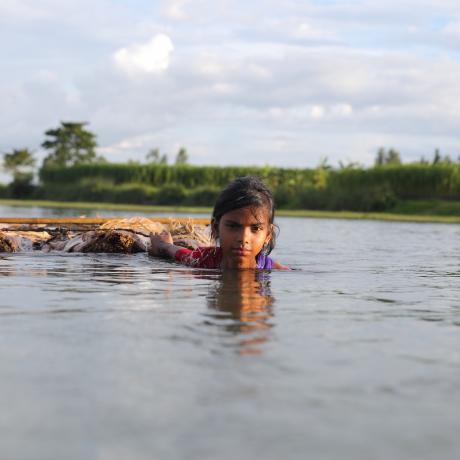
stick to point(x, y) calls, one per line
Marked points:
point(160, 242)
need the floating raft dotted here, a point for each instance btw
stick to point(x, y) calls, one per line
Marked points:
point(97, 234)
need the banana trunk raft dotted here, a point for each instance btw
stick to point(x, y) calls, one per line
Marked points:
point(106, 235)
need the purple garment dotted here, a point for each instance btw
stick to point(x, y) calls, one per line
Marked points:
point(264, 262)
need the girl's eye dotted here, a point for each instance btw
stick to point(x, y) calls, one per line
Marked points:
point(257, 228)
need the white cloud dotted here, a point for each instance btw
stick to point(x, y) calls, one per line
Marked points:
point(210, 66)
point(151, 57)
point(301, 80)
point(259, 71)
point(317, 111)
point(306, 113)
point(25, 10)
point(224, 88)
point(309, 31)
point(175, 9)
point(129, 144)
point(314, 102)
point(452, 29)
point(342, 110)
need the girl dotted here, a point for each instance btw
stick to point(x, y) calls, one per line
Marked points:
point(242, 222)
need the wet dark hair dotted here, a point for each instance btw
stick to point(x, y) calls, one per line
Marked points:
point(241, 193)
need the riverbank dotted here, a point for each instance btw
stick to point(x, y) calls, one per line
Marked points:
point(407, 211)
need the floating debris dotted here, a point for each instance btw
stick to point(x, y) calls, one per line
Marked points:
point(124, 236)
point(14, 241)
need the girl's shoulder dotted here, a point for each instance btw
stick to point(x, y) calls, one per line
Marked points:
point(201, 257)
point(267, 263)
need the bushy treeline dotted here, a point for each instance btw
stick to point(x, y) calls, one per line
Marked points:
point(161, 184)
point(381, 187)
point(189, 176)
point(103, 190)
point(373, 189)
point(73, 171)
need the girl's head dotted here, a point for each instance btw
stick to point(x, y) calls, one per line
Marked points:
point(248, 200)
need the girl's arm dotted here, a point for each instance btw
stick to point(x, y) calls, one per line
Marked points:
point(279, 266)
point(162, 245)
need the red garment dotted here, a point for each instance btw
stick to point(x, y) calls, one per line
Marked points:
point(211, 257)
point(202, 257)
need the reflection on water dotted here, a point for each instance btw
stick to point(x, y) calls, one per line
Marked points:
point(244, 304)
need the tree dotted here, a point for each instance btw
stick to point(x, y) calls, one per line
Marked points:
point(70, 144)
point(423, 161)
point(393, 157)
point(20, 164)
point(182, 156)
point(390, 157)
point(324, 163)
point(439, 159)
point(349, 165)
point(380, 157)
point(18, 161)
point(153, 156)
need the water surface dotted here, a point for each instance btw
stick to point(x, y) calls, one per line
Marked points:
point(355, 354)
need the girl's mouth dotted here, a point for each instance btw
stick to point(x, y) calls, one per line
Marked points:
point(241, 251)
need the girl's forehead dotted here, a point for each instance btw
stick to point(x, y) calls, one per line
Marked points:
point(248, 213)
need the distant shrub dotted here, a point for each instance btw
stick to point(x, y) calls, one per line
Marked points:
point(158, 175)
point(170, 195)
point(132, 193)
point(288, 196)
point(359, 189)
point(364, 199)
point(99, 190)
point(313, 198)
point(202, 196)
point(21, 186)
point(3, 191)
point(410, 181)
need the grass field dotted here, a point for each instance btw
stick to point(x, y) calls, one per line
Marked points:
point(408, 211)
point(428, 207)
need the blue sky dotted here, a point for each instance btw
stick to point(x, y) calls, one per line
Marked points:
point(262, 82)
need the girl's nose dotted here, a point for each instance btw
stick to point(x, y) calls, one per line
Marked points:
point(244, 235)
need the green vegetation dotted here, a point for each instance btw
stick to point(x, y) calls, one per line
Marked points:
point(69, 145)
point(390, 157)
point(182, 157)
point(154, 157)
point(73, 172)
point(427, 207)
point(189, 176)
point(376, 189)
point(19, 163)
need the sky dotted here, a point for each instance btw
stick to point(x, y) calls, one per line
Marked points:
point(283, 83)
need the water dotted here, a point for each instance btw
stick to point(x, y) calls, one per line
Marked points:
point(36, 211)
point(354, 355)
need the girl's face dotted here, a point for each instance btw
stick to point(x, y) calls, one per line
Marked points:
point(242, 234)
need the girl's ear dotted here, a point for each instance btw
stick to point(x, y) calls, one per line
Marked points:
point(269, 233)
